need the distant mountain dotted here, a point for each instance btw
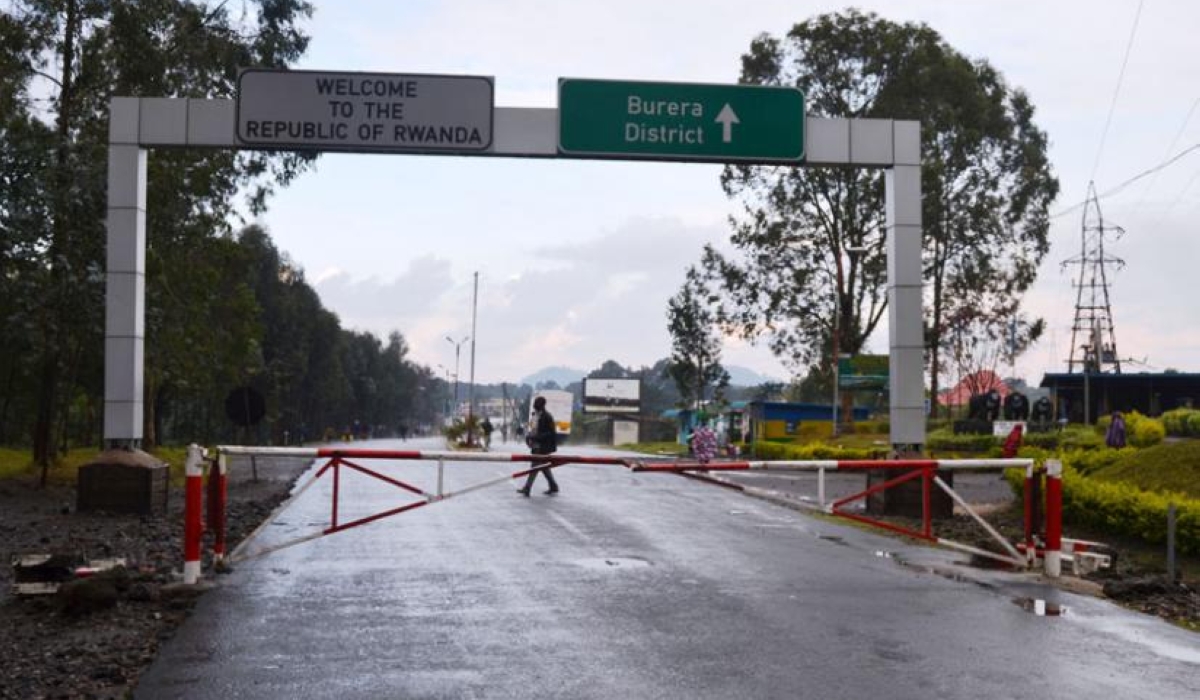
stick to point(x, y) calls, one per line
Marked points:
point(559, 375)
point(741, 376)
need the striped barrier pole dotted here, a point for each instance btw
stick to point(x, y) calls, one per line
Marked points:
point(218, 499)
point(1030, 545)
point(1053, 518)
point(193, 524)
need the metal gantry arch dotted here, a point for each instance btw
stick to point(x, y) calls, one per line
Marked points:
point(137, 124)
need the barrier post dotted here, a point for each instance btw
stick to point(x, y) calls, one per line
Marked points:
point(1053, 518)
point(1030, 545)
point(193, 524)
point(927, 501)
point(220, 507)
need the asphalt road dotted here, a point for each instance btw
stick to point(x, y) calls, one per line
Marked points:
point(633, 585)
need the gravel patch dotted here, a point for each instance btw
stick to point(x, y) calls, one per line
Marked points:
point(95, 637)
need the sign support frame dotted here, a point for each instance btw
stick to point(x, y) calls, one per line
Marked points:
point(138, 124)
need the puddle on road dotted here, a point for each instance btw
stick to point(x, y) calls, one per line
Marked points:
point(832, 538)
point(1040, 607)
point(611, 563)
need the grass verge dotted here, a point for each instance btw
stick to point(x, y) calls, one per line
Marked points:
point(18, 464)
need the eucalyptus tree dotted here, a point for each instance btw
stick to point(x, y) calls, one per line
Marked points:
point(795, 277)
point(63, 60)
point(695, 362)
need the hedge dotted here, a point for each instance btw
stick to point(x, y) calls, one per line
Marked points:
point(1124, 509)
point(1070, 438)
point(785, 451)
point(1117, 508)
point(946, 440)
point(1182, 422)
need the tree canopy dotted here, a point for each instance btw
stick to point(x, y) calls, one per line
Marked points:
point(986, 182)
point(695, 362)
point(222, 309)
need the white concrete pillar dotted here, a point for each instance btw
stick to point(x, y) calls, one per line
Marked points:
point(125, 284)
point(906, 342)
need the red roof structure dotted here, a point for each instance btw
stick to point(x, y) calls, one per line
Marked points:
point(979, 382)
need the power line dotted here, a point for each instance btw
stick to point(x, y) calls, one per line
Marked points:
point(1117, 189)
point(1117, 91)
point(1187, 119)
point(1178, 198)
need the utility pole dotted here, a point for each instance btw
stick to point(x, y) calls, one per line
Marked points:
point(457, 349)
point(504, 411)
point(471, 388)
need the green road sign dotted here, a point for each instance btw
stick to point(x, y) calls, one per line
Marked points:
point(680, 121)
point(863, 372)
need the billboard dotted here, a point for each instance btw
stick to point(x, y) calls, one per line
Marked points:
point(612, 395)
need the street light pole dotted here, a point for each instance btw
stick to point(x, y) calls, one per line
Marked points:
point(457, 350)
point(446, 407)
point(471, 388)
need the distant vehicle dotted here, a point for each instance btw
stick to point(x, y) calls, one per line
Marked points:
point(559, 404)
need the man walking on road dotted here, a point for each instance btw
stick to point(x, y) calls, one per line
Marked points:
point(542, 440)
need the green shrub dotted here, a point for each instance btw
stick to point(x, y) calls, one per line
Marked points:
point(457, 433)
point(1179, 422)
point(946, 441)
point(1089, 462)
point(1121, 508)
point(1144, 431)
point(1073, 437)
point(781, 451)
point(1124, 509)
point(871, 427)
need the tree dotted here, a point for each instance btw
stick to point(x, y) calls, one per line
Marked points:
point(986, 181)
point(609, 369)
point(74, 55)
point(976, 344)
point(695, 363)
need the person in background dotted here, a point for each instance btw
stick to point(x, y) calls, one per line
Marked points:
point(704, 442)
point(1115, 437)
point(542, 440)
point(487, 428)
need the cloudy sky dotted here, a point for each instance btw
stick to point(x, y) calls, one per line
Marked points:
point(576, 259)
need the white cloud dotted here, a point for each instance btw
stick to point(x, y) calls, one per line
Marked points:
point(578, 258)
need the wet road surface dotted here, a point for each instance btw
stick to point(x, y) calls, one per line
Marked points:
point(638, 586)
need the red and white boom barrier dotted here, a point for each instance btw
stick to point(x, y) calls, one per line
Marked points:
point(1053, 518)
point(193, 528)
point(912, 469)
point(346, 458)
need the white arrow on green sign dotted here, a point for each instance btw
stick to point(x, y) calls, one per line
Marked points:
point(680, 121)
